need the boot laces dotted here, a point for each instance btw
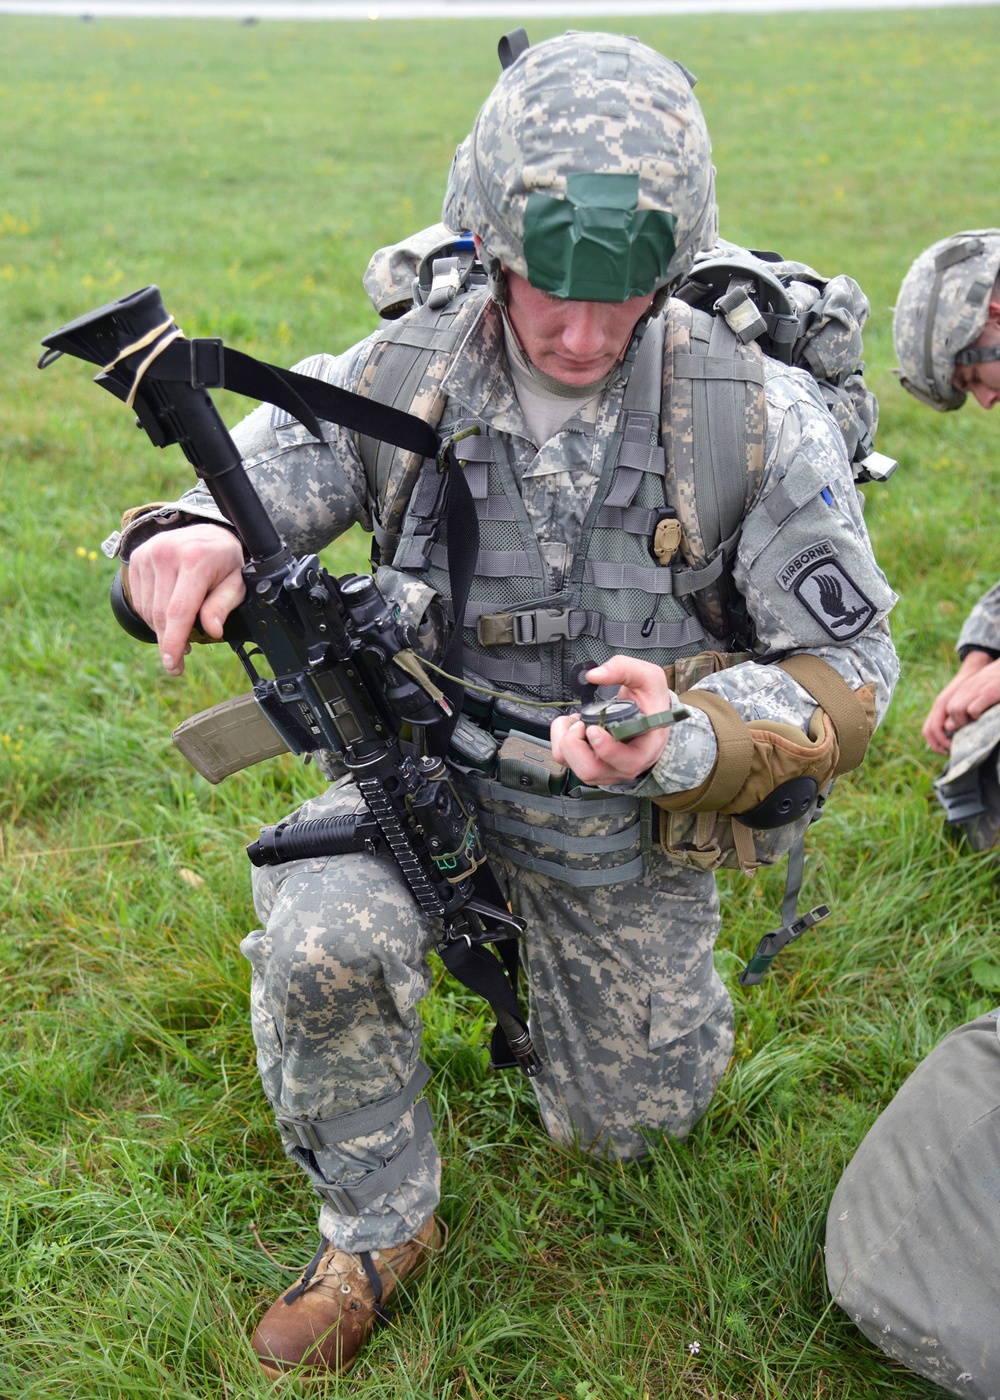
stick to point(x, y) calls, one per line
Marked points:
point(309, 1279)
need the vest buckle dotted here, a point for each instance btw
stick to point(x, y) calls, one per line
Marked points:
point(542, 625)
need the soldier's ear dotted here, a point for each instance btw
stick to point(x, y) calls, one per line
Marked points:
point(994, 312)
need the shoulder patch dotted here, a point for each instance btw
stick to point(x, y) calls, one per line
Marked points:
point(812, 554)
point(834, 600)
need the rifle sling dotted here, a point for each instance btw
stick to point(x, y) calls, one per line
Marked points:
point(208, 364)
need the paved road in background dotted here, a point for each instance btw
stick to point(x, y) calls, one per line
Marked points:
point(244, 11)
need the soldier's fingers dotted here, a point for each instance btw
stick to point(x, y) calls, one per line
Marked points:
point(598, 758)
point(220, 602)
point(178, 619)
point(141, 586)
point(983, 693)
point(933, 728)
point(936, 737)
point(627, 760)
point(180, 596)
point(575, 750)
point(557, 733)
point(646, 682)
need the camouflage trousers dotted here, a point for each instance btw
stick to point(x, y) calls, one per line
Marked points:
point(632, 1023)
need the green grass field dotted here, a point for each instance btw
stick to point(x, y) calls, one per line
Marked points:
point(148, 1213)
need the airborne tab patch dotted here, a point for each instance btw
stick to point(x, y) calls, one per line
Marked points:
point(812, 554)
point(835, 600)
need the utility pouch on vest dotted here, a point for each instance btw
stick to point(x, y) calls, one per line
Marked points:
point(594, 839)
point(473, 748)
point(708, 841)
point(527, 766)
point(511, 715)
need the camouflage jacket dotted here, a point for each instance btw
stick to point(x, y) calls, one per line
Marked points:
point(806, 513)
point(982, 626)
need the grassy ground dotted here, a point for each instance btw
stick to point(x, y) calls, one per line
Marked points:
point(147, 1209)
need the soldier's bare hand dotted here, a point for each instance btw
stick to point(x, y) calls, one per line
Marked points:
point(974, 690)
point(180, 577)
point(593, 754)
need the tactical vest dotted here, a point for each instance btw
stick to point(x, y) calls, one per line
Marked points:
point(661, 465)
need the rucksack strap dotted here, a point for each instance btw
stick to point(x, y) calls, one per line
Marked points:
point(716, 471)
point(407, 349)
point(713, 422)
point(792, 927)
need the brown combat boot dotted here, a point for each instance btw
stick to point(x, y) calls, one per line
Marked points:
point(321, 1323)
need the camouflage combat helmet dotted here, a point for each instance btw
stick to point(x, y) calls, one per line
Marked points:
point(941, 311)
point(588, 170)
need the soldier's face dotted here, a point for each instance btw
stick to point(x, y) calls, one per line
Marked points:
point(576, 342)
point(983, 381)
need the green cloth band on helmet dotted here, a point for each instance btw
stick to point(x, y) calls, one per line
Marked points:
point(596, 245)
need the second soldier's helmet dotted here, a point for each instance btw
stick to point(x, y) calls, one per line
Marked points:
point(589, 170)
point(941, 310)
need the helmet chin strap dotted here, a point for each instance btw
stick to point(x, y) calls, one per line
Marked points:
point(973, 356)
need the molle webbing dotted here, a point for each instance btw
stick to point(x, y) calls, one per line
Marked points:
point(620, 853)
point(618, 598)
point(709, 467)
point(407, 367)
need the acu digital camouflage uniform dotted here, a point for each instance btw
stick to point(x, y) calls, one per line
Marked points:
point(941, 311)
point(628, 1015)
point(981, 629)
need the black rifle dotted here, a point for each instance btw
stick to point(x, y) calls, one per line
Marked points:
point(345, 674)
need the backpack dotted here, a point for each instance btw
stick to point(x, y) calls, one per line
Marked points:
point(803, 319)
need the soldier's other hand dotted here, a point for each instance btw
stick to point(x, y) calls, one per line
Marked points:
point(594, 755)
point(178, 578)
point(974, 690)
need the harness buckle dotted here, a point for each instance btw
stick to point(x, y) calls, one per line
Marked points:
point(541, 625)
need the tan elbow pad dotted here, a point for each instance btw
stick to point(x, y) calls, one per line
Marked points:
point(758, 757)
